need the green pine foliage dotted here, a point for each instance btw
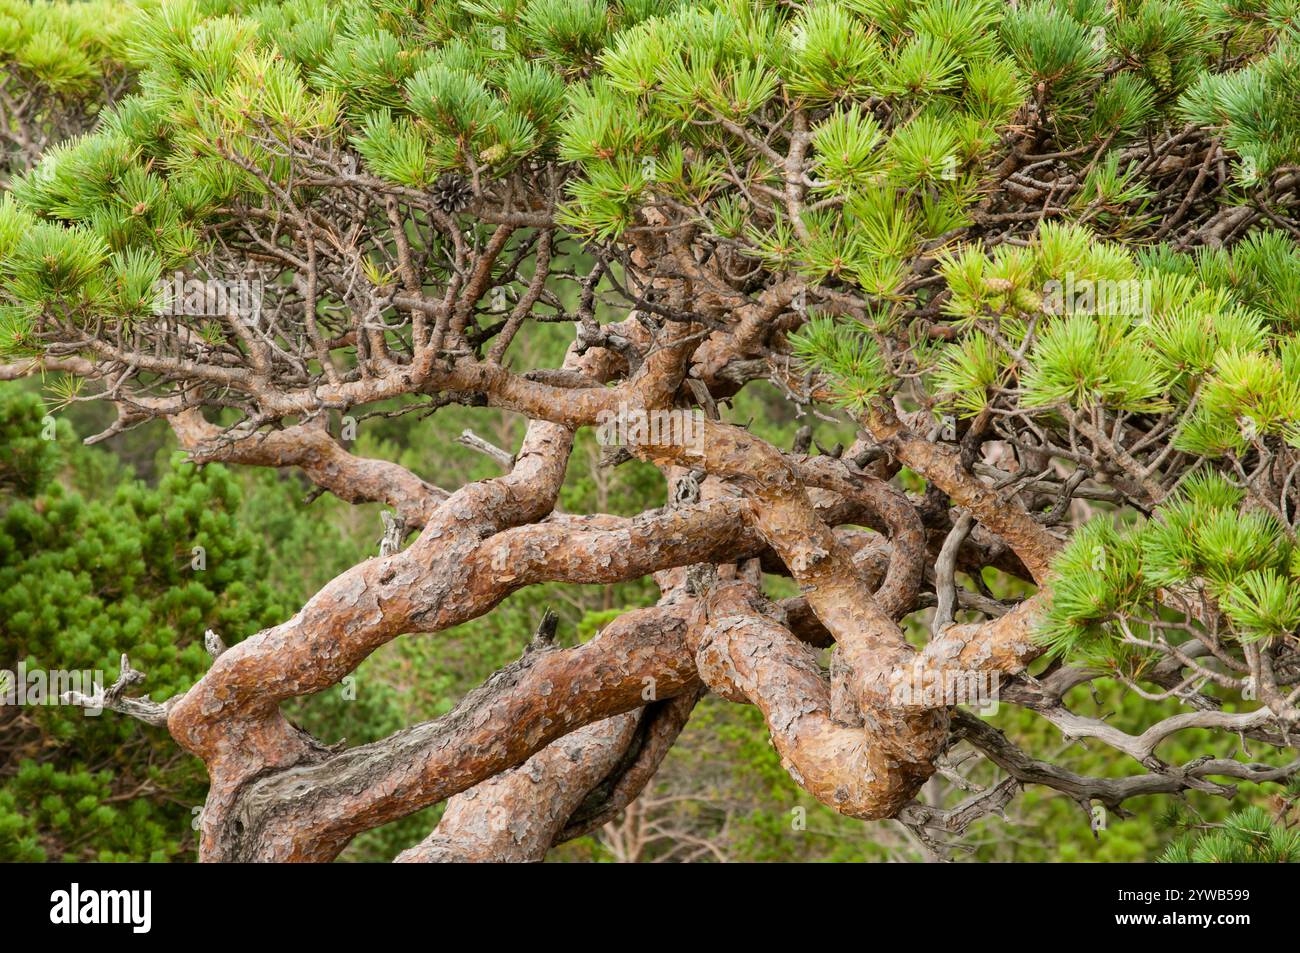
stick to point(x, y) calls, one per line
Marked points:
point(647, 100)
point(63, 49)
point(1202, 539)
point(852, 357)
point(1251, 836)
point(1259, 119)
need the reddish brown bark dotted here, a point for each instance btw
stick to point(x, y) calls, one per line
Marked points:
point(516, 815)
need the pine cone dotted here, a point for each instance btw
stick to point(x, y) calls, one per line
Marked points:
point(1161, 70)
point(451, 192)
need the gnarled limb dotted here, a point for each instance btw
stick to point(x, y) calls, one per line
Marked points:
point(570, 788)
point(311, 810)
point(661, 723)
point(311, 448)
point(1008, 518)
point(743, 654)
point(515, 816)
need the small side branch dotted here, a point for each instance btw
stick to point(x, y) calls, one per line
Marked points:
point(945, 571)
point(503, 458)
point(114, 698)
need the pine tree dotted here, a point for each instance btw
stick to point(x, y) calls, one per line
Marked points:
point(1040, 260)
